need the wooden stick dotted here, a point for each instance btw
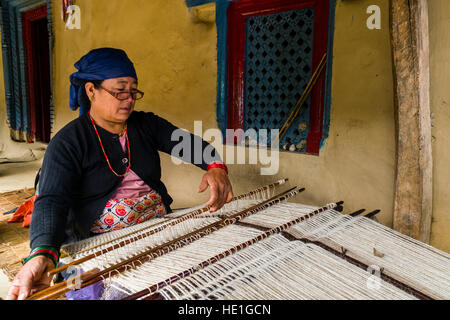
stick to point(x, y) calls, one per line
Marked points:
point(51, 293)
point(177, 220)
point(371, 214)
point(357, 213)
point(302, 99)
point(280, 182)
point(160, 250)
point(43, 293)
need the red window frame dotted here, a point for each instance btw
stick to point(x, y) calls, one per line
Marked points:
point(28, 18)
point(237, 14)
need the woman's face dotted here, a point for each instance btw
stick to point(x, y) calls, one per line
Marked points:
point(108, 107)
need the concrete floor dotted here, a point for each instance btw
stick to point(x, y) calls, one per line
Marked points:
point(20, 175)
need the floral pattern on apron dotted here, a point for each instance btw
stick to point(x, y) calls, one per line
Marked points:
point(122, 213)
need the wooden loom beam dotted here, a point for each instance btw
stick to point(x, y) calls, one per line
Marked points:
point(63, 287)
point(291, 234)
point(267, 232)
point(177, 220)
point(191, 213)
point(413, 186)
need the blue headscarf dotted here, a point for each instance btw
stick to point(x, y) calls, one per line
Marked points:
point(98, 64)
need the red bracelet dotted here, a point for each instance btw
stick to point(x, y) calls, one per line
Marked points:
point(217, 165)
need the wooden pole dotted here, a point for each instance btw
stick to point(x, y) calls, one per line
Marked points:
point(228, 252)
point(180, 219)
point(65, 286)
point(413, 186)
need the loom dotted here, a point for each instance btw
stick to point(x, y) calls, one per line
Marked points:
point(258, 246)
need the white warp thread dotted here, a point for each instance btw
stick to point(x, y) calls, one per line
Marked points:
point(273, 272)
point(278, 269)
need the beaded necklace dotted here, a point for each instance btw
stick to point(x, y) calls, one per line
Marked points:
point(104, 153)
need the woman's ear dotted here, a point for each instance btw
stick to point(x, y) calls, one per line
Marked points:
point(89, 87)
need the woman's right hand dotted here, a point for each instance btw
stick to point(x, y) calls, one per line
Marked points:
point(32, 278)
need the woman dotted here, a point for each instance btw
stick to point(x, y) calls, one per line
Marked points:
point(102, 171)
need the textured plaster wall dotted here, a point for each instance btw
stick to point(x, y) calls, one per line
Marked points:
point(357, 161)
point(175, 57)
point(439, 20)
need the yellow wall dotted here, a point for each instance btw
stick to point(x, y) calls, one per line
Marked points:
point(175, 57)
point(357, 162)
point(439, 19)
point(176, 61)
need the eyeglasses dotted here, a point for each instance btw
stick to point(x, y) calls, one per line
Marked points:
point(136, 94)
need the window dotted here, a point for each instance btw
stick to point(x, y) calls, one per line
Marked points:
point(272, 49)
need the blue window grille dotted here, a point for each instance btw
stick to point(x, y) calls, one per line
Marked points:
point(286, 36)
point(279, 49)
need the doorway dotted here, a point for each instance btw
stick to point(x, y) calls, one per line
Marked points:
point(38, 71)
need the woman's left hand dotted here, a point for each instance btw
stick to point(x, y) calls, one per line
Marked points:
point(221, 190)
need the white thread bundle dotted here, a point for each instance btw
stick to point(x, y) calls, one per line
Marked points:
point(329, 283)
point(113, 237)
point(107, 239)
point(413, 260)
point(276, 268)
point(236, 205)
point(133, 248)
point(167, 265)
point(279, 214)
point(134, 244)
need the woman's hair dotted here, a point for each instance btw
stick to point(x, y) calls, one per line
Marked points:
point(82, 82)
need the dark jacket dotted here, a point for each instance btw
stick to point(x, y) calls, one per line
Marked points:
point(76, 182)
